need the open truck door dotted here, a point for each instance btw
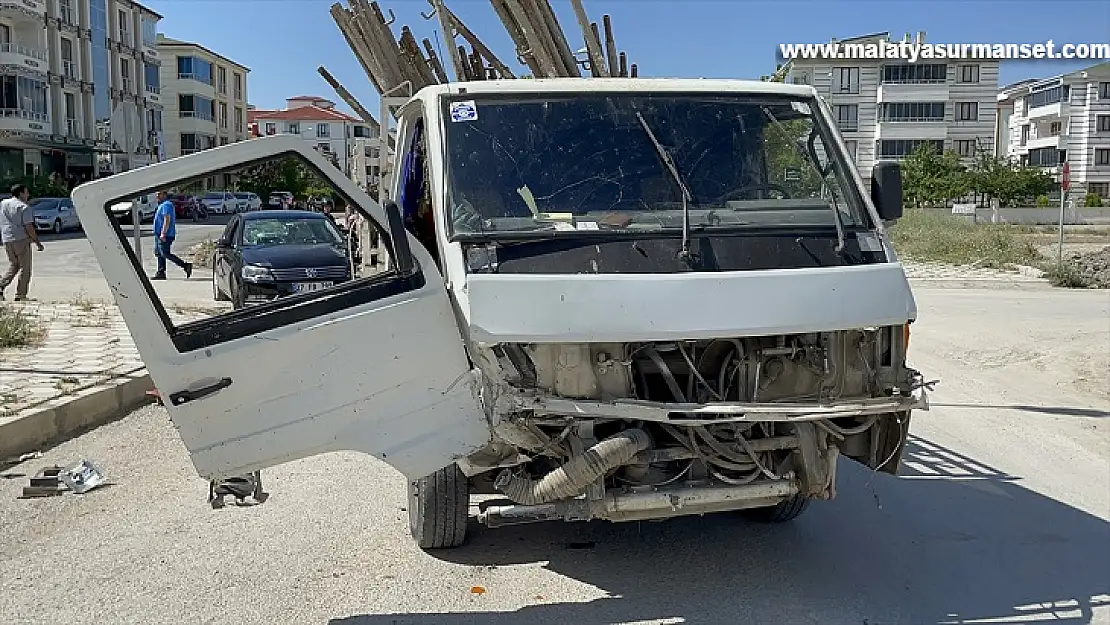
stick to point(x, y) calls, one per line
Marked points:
point(372, 363)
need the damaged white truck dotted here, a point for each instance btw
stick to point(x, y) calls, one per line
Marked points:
point(622, 299)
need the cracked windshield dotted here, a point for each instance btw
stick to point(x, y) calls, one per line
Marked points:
point(604, 163)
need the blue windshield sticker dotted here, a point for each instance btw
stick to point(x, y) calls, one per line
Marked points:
point(464, 111)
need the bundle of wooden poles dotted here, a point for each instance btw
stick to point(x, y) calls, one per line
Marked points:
point(541, 45)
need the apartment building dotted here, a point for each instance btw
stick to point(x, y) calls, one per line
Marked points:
point(316, 120)
point(365, 163)
point(1064, 118)
point(886, 108)
point(75, 94)
point(206, 97)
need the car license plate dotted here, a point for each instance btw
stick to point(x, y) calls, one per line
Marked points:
point(308, 287)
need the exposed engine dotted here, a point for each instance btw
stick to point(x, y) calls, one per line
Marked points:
point(638, 417)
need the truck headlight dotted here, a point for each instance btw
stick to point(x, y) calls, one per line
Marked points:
point(254, 273)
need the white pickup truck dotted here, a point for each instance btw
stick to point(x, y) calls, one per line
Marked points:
point(631, 299)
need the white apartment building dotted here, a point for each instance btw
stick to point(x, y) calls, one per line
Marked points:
point(315, 119)
point(205, 97)
point(887, 108)
point(1063, 118)
point(365, 163)
point(75, 94)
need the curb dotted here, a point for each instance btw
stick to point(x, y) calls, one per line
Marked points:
point(50, 425)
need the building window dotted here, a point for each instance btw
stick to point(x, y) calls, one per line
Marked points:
point(150, 72)
point(846, 80)
point(323, 147)
point(72, 129)
point(801, 78)
point(192, 68)
point(965, 147)
point(223, 140)
point(1104, 123)
point(1025, 134)
point(69, 68)
point(915, 73)
point(238, 78)
point(1054, 129)
point(1104, 90)
point(222, 81)
point(223, 115)
point(65, 11)
point(125, 74)
point(191, 142)
point(1101, 189)
point(1046, 97)
point(238, 119)
point(5, 34)
point(853, 148)
point(271, 128)
point(847, 117)
point(323, 130)
point(150, 31)
point(124, 27)
point(1046, 157)
point(1102, 156)
point(967, 111)
point(197, 107)
point(362, 131)
point(968, 73)
point(901, 148)
point(912, 112)
point(293, 128)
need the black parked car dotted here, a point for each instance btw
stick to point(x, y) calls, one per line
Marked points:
point(273, 253)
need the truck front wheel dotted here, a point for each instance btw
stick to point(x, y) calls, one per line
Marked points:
point(439, 505)
point(784, 511)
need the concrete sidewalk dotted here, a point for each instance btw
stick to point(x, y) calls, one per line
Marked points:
point(84, 372)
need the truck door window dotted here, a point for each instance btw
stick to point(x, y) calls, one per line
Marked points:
point(289, 264)
point(416, 197)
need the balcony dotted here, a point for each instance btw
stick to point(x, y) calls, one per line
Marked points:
point(200, 85)
point(24, 120)
point(1057, 142)
point(913, 92)
point(912, 128)
point(196, 122)
point(153, 94)
point(20, 55)
point(1057, 109)
point(73, 128)
point(24, 10)
point(69, 70)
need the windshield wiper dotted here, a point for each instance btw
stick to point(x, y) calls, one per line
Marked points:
point(683, 255)
point(811, 160)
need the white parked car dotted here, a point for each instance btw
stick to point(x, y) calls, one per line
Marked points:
point(248, 202)
point(123, 211)
point(55, 214)
point(220, 202)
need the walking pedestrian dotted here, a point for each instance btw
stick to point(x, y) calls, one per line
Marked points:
point(165, 231)
point(17, 231)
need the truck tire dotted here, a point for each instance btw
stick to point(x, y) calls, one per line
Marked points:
point(439, 507)
point(784, 511)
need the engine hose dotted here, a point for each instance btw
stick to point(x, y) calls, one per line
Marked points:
point(579, 472)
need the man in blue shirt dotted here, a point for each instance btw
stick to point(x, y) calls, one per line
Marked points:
point(165, 231)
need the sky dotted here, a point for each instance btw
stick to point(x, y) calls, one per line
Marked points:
point(284, 41)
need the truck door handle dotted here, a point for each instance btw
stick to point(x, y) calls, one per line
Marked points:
point(184, 397)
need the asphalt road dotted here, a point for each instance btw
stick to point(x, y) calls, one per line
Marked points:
point(1001, 515)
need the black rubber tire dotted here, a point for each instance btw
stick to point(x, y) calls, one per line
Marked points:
point(439, 507)
point(784, 511)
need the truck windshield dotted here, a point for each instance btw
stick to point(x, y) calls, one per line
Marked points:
point(586, 162)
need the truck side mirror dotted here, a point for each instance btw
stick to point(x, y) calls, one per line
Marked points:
point(886, 189)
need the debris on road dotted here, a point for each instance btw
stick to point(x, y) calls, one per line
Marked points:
point(241, 488)
point(50, 481)
point(83, 477)
point(11, 462)
point(1092, 268)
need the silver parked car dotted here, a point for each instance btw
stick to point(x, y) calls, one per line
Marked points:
point(55, 214)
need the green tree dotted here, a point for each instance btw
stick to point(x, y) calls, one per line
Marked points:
point(931, 178)
point(285, 174)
